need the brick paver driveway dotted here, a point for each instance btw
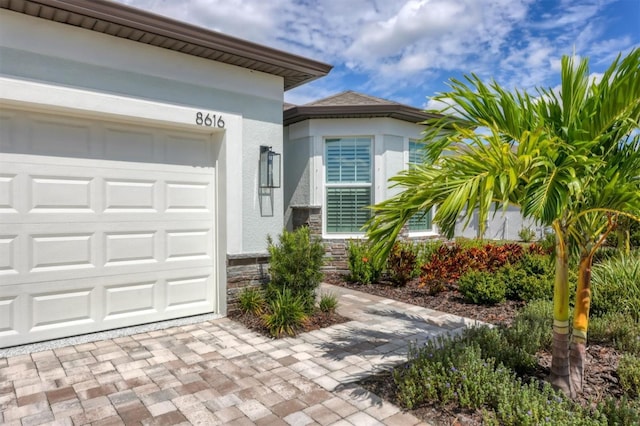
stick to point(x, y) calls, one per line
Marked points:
point(218, 372)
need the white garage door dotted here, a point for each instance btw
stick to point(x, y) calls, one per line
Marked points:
point(102, 225)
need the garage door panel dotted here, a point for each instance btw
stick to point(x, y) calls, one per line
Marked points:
point(59, 137)
point(64, 251)
point(193, 151)
point(61, 309)
point(130, 145)
point(8, 325)
point(131, 196)
point(54, 193)
point(55, 309)
point(8, 203)
point(131, 299)
point(186, 292)
point(40, 252)
point(131, 248)
point(8, 254)
point(192, 196)
point(102, 225)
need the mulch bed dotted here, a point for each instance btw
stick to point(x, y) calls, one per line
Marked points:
point(601, 379)
point(315, 322)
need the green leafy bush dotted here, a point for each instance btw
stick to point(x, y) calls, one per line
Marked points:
point(629, 374)
point(401, 264)
point(482, 288)
point(530, 278)
point(328, 303)
point(251, 301)
point(295, 263)
point(361, 268)
point(287, 313)
point(616, 286)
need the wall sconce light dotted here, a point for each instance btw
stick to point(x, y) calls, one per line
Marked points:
point(269, 168)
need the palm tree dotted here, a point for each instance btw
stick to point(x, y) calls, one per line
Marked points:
point(567, 160)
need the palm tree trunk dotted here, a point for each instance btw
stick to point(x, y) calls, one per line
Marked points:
point(559, 377)
point(581, 322)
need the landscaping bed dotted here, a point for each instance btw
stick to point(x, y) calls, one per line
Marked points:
point(601, 379)
point(508, 364)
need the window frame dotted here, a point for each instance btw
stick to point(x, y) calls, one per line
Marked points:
point(432, 229)
point(326, 185)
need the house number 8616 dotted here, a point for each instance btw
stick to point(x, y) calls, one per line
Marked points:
point(209, 120)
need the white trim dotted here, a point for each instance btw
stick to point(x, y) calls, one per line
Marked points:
point(323, 186)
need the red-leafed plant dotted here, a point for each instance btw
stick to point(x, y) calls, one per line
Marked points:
point(451, 261)
point(401, 263)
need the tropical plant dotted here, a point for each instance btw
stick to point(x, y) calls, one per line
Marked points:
point(617, 286)
point(328, 303)
point(359, 260)
point(401, 264)
point(526, 235)
point(569, 159)
point(287, 313)
point(295, 263)
point(251, 301)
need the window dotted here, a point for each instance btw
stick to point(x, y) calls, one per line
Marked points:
point(348, 183)
point(420, 222)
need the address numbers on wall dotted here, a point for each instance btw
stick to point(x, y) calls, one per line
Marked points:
point(209, 120)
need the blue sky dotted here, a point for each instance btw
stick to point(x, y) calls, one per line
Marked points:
point(406, 50)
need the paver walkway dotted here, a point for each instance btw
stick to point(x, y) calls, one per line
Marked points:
point(219, 372)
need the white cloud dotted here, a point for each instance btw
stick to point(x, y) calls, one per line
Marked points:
point(395, 45)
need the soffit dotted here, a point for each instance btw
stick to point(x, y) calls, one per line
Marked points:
point(143, 27)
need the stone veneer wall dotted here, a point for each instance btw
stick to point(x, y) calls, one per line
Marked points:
point(245, 270)
point(336, 249)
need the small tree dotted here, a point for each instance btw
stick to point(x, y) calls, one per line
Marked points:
point(569, 160)
point(295, 264)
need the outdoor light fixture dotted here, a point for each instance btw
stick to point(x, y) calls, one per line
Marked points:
point(269, 168)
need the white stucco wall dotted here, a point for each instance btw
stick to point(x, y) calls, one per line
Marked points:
point(296, 174)
point(48, 55)
point(390, 147)
point(504, 225)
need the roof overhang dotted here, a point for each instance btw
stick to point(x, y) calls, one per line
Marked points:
point(119, 20)
point(397, 111)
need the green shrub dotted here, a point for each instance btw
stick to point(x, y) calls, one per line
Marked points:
point(530, 278)
point(482, 288)
point(618, 329)
point(467, 243)
point(454, 370)
point(504, 346)
point(616, 286)
point(287, 313)
point(527, 235)
point(424, 251)
point(629, 374)
point(295, 263)
point(548, 242)
point(328, 303)
point(361, 268)
point(532, 326)
point(624, 412)
point(401, 264)
point(251, 301)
